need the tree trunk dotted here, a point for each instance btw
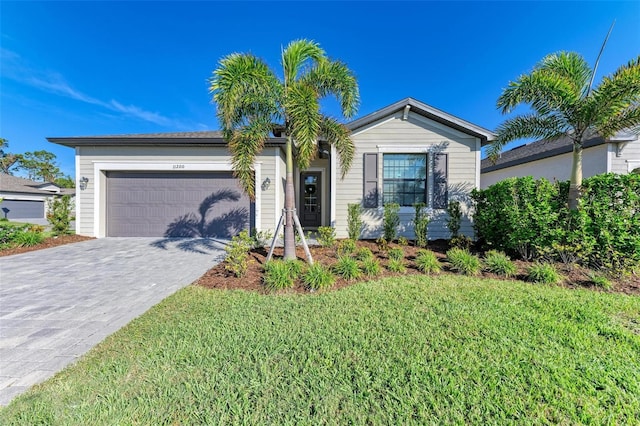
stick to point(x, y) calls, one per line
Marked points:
point(575, 183)
point(289, 200)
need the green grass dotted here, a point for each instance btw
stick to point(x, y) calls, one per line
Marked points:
point(410, 350)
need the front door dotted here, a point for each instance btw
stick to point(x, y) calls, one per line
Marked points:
point(310, 199)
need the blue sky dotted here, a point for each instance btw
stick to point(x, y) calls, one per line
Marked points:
point(98, 68)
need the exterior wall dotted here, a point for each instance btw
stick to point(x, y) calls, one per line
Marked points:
point(627, 159)
point(416, 134)
point(594, 162)
point(92, 162)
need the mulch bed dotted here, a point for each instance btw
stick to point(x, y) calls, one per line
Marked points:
point(219, 278)
point(48, 243)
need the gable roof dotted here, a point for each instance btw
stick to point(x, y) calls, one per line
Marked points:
point(9, 183)
point(203, 138)
point(428, 112)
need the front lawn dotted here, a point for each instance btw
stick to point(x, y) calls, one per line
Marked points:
point(412, 349)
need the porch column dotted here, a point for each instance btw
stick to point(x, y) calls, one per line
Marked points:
point(332, 185)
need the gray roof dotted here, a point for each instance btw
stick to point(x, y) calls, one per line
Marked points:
point(429, 112)
point(15, 184)
point(204, 138)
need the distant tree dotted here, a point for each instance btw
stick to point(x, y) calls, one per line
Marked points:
point(564, 103)
point(8, 161)
point(65, 182)
point(40, 166)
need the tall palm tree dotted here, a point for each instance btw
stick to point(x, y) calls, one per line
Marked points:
point(564, 103)
point(254, 103)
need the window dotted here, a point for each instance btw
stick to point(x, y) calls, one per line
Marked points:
point(404, 179)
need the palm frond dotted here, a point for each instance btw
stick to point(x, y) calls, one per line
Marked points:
point(296, 55)
point(334, 78)
point(526, 126)
point(339, 135)
point(570, 67)
point(245, 144)
point(303, 115)
point(629, 119)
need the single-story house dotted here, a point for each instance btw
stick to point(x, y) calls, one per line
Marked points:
point(26, 200)
point(552, 159)
point(182, 185)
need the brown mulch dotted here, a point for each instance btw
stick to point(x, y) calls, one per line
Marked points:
point(219, 278)
point(48, 243)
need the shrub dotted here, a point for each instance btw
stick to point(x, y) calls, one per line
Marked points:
point(281, 274)
point(463, 261)
point(317, 276)
point(599, 281)
point(403, 241)
point(382, 243)
point(354, 221)
point(237, 260)
point(363, 253)
point(326, 236)
point(544, 273)
point(455, 218)
point(262, 238)
point(499, 263)
point(427, 262)
point(460, 241)
point(346, 247)
point(59, 215)
point(391, 221)
point(396, 254)
point(8, 233)
point(421, 225)
point(347, 268)
point(370, 267)
point(27, 238)
point(395, 265)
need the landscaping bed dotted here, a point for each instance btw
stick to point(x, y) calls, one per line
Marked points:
point(218, 277)
point(47, 243)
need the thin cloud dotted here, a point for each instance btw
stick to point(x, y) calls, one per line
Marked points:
point(15, 69)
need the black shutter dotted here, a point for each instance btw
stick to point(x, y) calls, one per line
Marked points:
point(370, 188)
point(440, 177)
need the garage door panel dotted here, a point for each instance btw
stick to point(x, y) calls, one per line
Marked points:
point(22, 209)
point(176, 205)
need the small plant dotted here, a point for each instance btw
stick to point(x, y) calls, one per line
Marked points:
point(455, 218)
point(463, 261)
point(262, 238)
point(281, 274)
point(59, 215)
point(28, 238)
point(395, 265)
point(420, 225)
point(391, 221)
point(499, 263)
point(403, 241)
point(544, 273)
point(427, 262)
point(346, 247)
point(599, 281)
point(237, 261)
point(317, 276)
point(354, 221)
point(371, 267)
point(382, 243)
point(363, 253)
point(326, 236)
point(396, 254)
point(347, 268)
point(460, 241)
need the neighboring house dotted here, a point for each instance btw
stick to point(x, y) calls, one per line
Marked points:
point(552, 159)
point(181, 184)
point(26, 200)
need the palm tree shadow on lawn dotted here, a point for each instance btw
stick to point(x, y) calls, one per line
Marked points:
point(200, 233)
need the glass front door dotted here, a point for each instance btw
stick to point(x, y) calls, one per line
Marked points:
point(310, 199)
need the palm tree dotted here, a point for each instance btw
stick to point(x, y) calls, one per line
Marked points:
point(254, 103)
point(564, 103)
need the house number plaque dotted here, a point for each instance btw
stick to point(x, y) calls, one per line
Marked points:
point(178, 166)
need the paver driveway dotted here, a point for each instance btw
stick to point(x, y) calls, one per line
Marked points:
point(56, 304)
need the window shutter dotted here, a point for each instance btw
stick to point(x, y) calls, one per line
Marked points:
point(370, 189)
point(440, 178)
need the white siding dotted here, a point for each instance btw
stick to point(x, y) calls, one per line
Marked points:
point(628, 158)
point(415, 133)
point(191, 157)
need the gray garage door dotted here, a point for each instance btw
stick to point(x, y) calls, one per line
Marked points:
point(176, 204)
point(22, 209)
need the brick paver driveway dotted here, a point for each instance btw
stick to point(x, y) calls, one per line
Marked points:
point(56, 304)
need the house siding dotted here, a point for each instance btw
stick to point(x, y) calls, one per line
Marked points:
point(419, 134)
point(628, 159)
point(594, 161)
point(90, 155)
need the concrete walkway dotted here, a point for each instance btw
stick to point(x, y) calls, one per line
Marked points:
point(56, 304)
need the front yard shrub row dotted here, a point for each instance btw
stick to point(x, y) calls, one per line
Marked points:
point(20, 235)
point(531, 218)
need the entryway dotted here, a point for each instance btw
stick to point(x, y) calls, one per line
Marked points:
point(311, 199)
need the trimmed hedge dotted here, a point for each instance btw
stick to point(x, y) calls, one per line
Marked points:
point(530, 218)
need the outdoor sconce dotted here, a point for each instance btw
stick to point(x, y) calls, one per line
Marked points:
point(265, 184)
point(83, 182)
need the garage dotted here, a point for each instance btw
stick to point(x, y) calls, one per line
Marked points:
point(22, 209)
point(175, 205)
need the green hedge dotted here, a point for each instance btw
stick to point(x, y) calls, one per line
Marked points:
point(531, 218)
